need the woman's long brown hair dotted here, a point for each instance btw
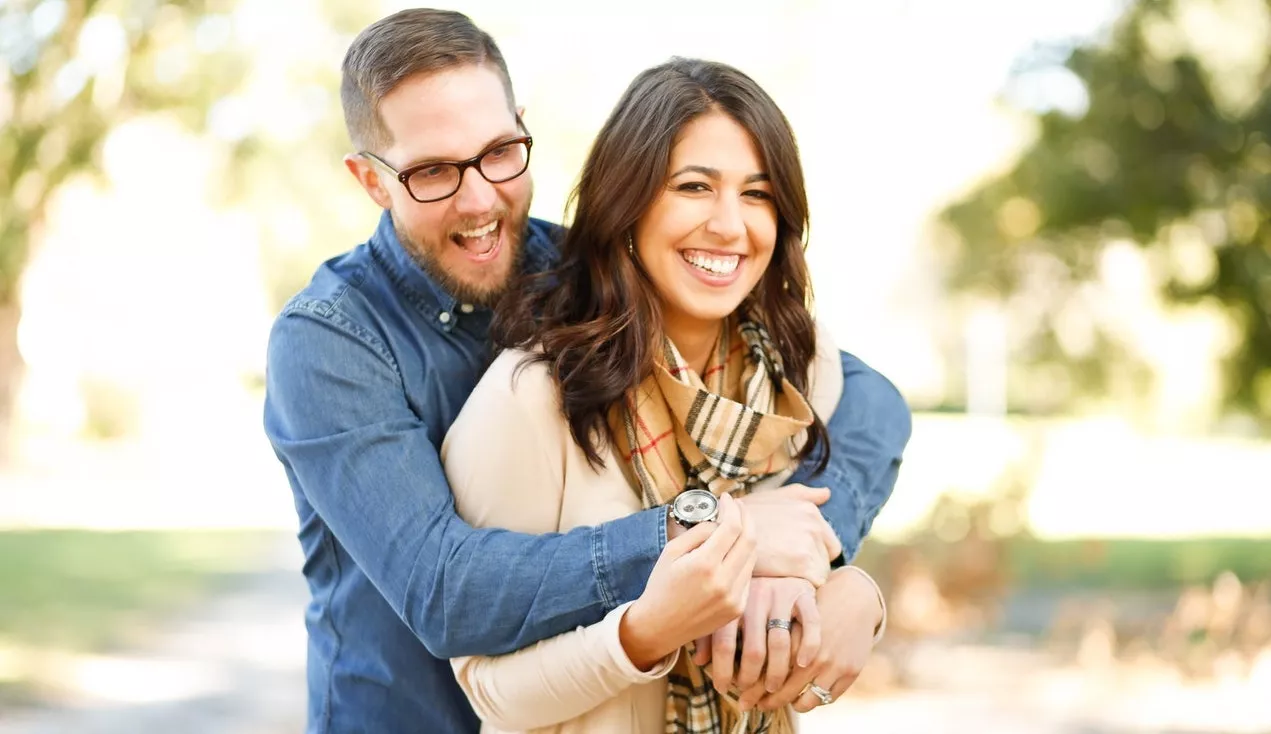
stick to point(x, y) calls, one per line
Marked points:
point(595, 319)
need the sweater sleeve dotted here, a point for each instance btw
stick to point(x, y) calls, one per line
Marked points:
point(505, 458)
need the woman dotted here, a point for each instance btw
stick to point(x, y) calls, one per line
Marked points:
point(671, 349)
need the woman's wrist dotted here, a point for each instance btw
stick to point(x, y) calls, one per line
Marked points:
point(641, 639)
point(673, 528)
point(875, 594)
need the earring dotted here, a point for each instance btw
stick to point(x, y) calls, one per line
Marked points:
point(630, 245)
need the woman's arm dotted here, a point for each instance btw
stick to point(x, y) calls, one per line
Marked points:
point(555, 680)
point(505, 460)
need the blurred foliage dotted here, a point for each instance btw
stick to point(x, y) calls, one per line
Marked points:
point(972, 561)
point(74, 70)
point(110, 409)
point(1172, 151)
point(952, 571)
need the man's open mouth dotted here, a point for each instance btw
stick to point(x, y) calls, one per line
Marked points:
point(479, 241)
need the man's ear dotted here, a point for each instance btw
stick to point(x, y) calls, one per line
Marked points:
point(369, 178)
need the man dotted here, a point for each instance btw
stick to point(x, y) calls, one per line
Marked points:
point(371, 362)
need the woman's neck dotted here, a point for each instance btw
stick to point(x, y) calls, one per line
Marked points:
point(694, 339)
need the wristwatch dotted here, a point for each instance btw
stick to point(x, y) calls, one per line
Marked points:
point(693, 507)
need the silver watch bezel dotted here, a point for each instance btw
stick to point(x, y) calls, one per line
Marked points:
point(688, 520)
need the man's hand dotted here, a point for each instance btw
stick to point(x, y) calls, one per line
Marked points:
point(850, 599)
point(793, 539)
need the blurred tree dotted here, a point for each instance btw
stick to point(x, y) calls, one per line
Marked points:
point(72, 70)
point(1159, 134)
point(75, 69)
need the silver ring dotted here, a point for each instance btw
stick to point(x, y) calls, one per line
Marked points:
point(780, 624)
point(821, 693)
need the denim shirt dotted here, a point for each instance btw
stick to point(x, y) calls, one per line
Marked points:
point(367, 368)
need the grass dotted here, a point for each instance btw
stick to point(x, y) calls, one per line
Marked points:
point(84, 591)
point(1112, 563)
point(1138, 564)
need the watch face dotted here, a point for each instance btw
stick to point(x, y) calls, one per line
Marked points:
point(695, 505)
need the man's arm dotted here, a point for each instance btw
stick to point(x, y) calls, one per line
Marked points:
point(337, 417)
point(868, 433)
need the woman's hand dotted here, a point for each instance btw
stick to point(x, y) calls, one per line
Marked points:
point(699, 584)
point(783, 599)
point(853, 602)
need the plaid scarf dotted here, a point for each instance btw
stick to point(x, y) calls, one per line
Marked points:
point(723, 431)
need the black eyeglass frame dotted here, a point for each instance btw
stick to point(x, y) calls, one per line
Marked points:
point(474, 162)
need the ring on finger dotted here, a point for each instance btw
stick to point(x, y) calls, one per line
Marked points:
point(825, 696)
point(780, 624)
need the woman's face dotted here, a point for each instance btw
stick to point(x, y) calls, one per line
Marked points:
point(709, 235)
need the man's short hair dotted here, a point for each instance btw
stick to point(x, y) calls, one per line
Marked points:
point(399, 46)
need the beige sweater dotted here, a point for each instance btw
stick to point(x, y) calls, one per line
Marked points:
point(512, 463)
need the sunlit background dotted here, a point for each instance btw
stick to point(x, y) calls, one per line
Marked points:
point(1046, 222)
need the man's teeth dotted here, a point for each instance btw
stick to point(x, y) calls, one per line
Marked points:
point(483, 231)
point(714, 264)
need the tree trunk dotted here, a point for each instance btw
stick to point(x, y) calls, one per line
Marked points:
point(10, 379)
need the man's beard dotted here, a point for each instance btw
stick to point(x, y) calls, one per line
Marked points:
point(512, 226)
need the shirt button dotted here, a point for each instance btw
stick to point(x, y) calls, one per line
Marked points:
point(444, 317)
point(465, 307)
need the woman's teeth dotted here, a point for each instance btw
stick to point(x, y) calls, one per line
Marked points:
point(715, 264)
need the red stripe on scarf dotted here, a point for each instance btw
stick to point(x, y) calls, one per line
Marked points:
point(735, 349)
point(645, 448)
point(645, 428)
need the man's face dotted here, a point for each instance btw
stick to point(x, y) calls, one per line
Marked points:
point(470, 242)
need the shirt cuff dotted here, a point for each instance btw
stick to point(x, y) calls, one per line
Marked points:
point(624, 552)
point(882, 602)
point(621, 660)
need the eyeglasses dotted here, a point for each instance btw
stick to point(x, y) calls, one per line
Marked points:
point(437, 180)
